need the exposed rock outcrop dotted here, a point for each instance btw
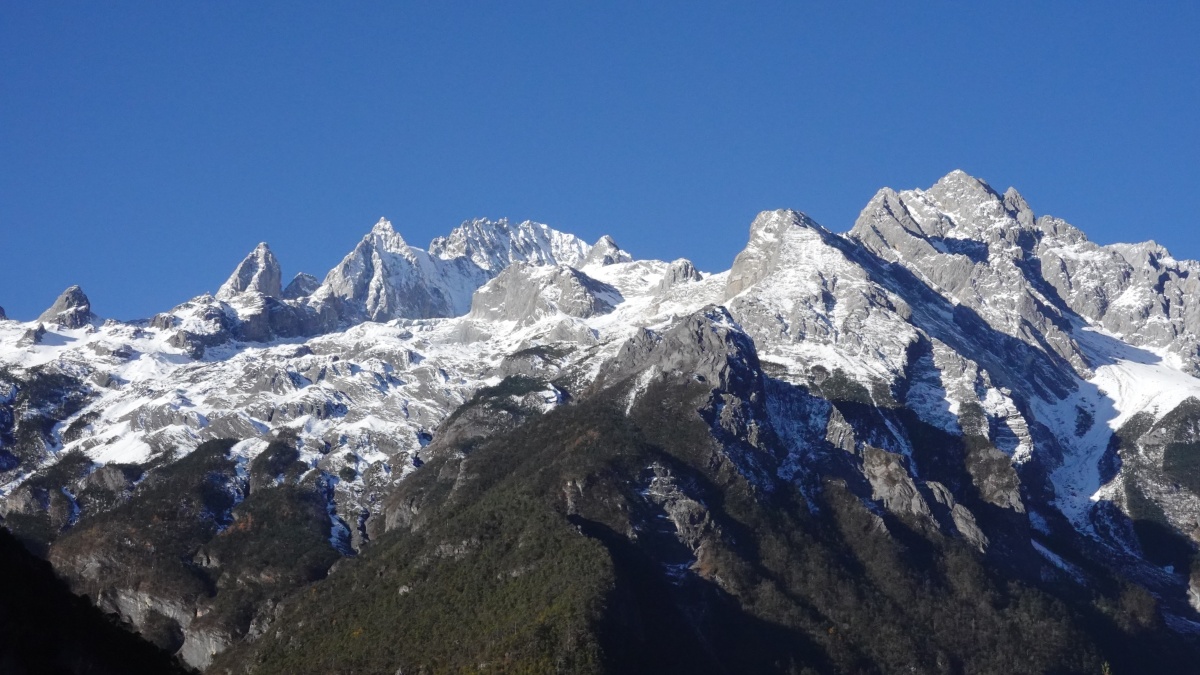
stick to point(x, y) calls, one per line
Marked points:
point(32, 336)
point(259, 272)
point(494, 245)
point(680, 271)
point(606, 252)
point(72, 309)
point(524, 293)
point(301, 286)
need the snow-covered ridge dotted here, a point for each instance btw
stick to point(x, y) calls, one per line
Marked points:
point(367, 394)
point(493, 245)
point(957, 304)
point(797, 288)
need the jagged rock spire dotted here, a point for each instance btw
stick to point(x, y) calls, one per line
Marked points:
point(259, 272)
point(606, 252)
point(72, 309)
point(493, 245)
point(678, 272)
point(302, 285)
point(383, 278)
point(767, 234)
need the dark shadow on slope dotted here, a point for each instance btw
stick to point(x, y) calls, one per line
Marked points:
point(1031, 266)
point(963, 328)
point(976, 251)
point(45, 629)
point(1029, 371)
point(648, 628)
point(1026, 371)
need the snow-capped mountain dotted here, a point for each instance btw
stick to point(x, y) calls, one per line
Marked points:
point(384, 278)
point(258, 273)
point(955, 362)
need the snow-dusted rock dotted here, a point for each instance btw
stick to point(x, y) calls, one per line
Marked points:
point(384, 278)
point(796, 290)
point(977, 249)
point(680, 271)
point(606, 252)
point(72, 309)
point(493, 245)
point(259, 273)
point(32, 336)
point(525, 294)
point(302, 285)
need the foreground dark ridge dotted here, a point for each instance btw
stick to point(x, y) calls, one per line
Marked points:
point(44, 628)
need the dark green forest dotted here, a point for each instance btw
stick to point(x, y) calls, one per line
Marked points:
point(535, 550)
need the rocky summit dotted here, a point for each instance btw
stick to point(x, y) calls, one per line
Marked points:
point(958, 437)
point(72, 309)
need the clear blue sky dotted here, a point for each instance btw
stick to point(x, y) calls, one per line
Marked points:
point(146, 147)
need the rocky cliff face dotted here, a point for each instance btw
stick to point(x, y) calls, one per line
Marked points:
point(494, 245)
point(954, 370)
point(301, 286)
point(72, 309)
point(525, 294)
point(1033, 274)
point(383, 278)
point(258, 273)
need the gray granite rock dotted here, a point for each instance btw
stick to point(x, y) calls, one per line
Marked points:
point(892, 484)
point(72, 309)
point(301, 286)
point(33, 336)
point(761, 254)
point(680, 271)
point(164, 321)
point(383, 278)
point(606, 252)
point(259, 272)
point(1028, 275)
point(493, 245)
point(524, 293)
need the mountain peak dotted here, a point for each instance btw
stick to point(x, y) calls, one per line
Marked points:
point(383, 278)
point(1014, 198)
point(385, 235)
point(258, 272)
point(767, 235)
point(960, 187)
point(769, 224)
point(606, 252)
point(960, 178)
point(301, 285)
point(1018, 208)
point(72, 309)
point(493, 245)
point(943, 368)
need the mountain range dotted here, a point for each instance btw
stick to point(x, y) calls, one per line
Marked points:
point(959, 437)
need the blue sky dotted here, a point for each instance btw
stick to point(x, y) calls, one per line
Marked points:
point(145, 148)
